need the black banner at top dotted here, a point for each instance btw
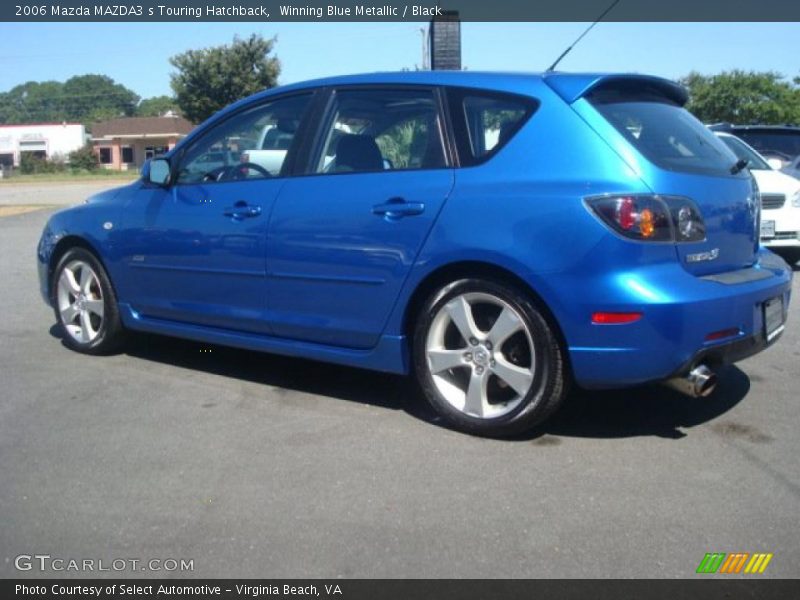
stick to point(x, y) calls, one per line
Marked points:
point(394, 10)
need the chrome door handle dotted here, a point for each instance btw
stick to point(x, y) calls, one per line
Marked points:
point(242, 210)
point(397, 208)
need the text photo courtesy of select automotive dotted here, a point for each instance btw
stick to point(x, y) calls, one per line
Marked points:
point(425, 309)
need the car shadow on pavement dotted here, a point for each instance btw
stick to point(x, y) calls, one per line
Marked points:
point(643, 411)
point(651, 410)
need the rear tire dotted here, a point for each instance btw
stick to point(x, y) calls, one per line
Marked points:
point(487, 359)
point(85, 304)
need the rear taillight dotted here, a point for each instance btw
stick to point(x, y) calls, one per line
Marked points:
point(688, 222)
point(650, 218)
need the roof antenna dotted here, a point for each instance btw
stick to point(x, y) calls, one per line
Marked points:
point(588, 29)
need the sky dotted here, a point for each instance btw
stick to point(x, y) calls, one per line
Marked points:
point(137, 54)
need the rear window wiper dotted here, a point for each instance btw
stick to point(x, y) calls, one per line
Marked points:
point(740, 164)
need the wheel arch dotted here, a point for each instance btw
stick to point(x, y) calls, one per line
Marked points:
point(65, 244)
point(475, 269)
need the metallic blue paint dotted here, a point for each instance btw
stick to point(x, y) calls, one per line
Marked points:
point(318, 274)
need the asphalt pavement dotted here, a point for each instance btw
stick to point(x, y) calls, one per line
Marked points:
point(51, 193)
point(253, 465)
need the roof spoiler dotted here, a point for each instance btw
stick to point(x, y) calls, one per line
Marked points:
point(572, 87)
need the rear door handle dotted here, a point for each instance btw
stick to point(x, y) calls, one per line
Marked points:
point(242, 210)
point(397, 208)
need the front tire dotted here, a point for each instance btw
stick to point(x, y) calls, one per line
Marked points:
point(85, 304)
point(487, 359)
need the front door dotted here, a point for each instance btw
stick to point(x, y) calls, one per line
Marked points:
point(195, 251)
point(343, 238)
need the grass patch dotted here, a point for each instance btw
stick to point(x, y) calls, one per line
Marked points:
point(71, 177)
point(19, 209)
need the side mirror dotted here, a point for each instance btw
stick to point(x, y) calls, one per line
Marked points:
point(775, 163)
point(158, 171)
point(144, 172)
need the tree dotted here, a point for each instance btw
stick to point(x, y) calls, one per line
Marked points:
point(31, 102)
point(157, 106)
point(97, 97)
point(743, 97)
point(209, 79)
point(83, 98)
point(83, 159)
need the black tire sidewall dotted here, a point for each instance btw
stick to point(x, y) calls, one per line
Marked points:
point(549, 379)
point(110, 333)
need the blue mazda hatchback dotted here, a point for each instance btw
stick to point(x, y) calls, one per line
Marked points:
point(498, 236)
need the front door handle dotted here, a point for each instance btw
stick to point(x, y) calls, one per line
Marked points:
point(397, 208)
point(242, 210)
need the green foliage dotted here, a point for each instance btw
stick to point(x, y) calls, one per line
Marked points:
point(83, 98)
point(743, 97)
point(157, 106)
point(83, 159)
point(209, 79)
point(30, 163)
point(396, 143)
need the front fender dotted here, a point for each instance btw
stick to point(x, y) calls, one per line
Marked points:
point(90, 225)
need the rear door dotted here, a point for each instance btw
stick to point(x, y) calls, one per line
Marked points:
point(343, 238)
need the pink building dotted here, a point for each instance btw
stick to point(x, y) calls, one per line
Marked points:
point(124, 144)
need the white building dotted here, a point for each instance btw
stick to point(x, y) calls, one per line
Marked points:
point(53, 141)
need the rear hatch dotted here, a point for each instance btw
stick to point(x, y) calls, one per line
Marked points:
point(676, 155)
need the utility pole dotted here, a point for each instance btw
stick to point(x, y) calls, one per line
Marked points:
point(424, 63)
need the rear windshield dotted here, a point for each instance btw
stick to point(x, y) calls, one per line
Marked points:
point(667, 134)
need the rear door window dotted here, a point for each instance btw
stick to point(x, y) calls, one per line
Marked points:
point(665, 133)
point(382, 130)
point(484, 122)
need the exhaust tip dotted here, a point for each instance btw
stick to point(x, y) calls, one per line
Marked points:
point(704, 381)
point(700, 382)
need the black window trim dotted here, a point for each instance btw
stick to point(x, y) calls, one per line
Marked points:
point(288, 169)
point(315, 143)
point(461, 138)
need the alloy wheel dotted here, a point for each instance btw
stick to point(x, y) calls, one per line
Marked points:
point(80, 301)
point(480, 355)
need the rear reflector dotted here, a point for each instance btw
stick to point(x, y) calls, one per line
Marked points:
point(722, 334)
point(615, 318)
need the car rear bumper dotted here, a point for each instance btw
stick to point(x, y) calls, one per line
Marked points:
point(680, 314)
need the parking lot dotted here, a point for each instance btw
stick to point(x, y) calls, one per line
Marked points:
point(255, 465)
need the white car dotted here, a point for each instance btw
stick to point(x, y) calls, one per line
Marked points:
point(780, 200)
point(271, 148)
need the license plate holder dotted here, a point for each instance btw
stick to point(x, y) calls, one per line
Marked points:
point(773, 317)
point(767, 229)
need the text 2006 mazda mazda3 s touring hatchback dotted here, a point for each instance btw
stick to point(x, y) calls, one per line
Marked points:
point(496, 235)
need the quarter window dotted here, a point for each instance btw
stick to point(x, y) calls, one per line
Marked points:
point(486, 121)
point(253, 144)
point(382, 130)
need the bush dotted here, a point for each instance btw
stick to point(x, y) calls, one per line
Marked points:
point(83, 159)
point(30, 163)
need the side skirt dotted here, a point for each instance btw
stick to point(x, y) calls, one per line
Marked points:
point(390, 355)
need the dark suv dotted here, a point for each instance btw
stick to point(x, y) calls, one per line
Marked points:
point(772, 141)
